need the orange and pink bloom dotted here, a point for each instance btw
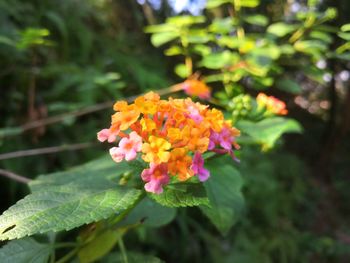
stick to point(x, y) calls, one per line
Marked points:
point(170, 136)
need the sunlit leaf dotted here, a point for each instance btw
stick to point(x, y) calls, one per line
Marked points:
point(258, 20)
point(345, 27)
point(66, 207)
point(281, 29)
point(182, 70)
point(159, 39)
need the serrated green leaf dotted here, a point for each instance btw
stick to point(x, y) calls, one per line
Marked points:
point(182, 195)
point(269, 130)
point(25, 250)
point(132, 257)
point(224, 193)
point(150, 213)
point(66, 207)
point(103, 167)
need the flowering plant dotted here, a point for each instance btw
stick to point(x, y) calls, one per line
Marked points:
point(170, 135)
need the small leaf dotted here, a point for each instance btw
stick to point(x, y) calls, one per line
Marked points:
point(161, 28)
point(219, 60)
point(345, 36)
point(248, 3)
point(150, 214)
point(182, 70)
point(182, 195)
point(182, 21)
point(216, 3)
point(224, 193)
point(281, 29)
point(288, 85)
point(258, 20)
point(345, 27)
point(222, 25)
point(173, 51)
point(269, 130)
point(66, 207)
point(159, 39)
point(25, 250)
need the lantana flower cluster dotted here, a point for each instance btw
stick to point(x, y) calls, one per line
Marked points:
point(171, 136)
point(272, 104)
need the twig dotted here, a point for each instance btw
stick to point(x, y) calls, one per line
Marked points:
point(81, 112)
point(45, 150)
point(14, 176)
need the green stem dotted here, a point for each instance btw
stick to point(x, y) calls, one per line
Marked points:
point(68, 256)
point(65, 245)
point(122, 250)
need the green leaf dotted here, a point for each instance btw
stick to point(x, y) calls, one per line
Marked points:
point(133, 257)
point(103, 167)
point(281, 29)
point(325, 37)
point(99, 246)
point(185, 21)
point(219, 60)
point(258, 20)
point(150, 214)
point(202, 50)
point(288, 85)
point(159, 39)
point(7, 41)
point(182, 71)
point(224, 193)
point(216, 3)
point(222, 25)
point(161, 28)
point(182, 195)
point(345, 27)
point(173, 51)
point(248, 3)
point(345, 36)
point(66, 207)
point(269, 130)
point(25, 250)
point(198, 36)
